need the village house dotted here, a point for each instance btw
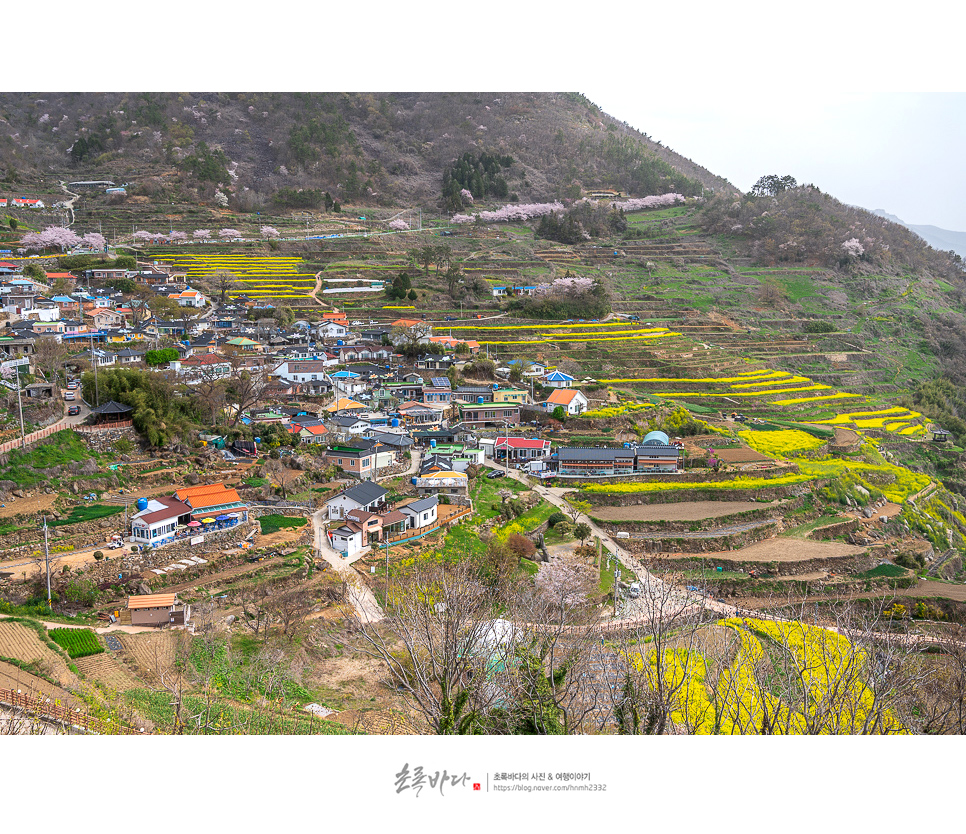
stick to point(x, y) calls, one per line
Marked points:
point(158, 610)
point(490, 415)
point(422, 513)
point(570, 400)
point(158, 522)
point(367, 496)
point(444, 482)
point(655, 454)
point(516, 449)
point(357, 460)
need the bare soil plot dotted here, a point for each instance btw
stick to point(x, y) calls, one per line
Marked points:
point(108, 672)
point(781, 549)
point(151, 654)
point(678, 511)
point(280, 537)
point(929, 588)
point(33, 504)
point(743, 454)
point(14, 678)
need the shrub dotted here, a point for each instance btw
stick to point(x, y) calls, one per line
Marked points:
point(520, 546)
point(98, 555)
point(555, 518)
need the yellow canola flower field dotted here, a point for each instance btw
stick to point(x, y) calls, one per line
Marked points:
point(896, 483)
point(670, 380)
point(848, 417)
point(584, 339)
point(799, 400)
point(781, 443)
point(820, 677)
point(773, 393)
point(794, 380)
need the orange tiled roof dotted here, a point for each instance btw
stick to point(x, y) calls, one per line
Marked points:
point(200, 489)
point(229, 496)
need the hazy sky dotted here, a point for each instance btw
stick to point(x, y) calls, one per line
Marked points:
point(902, 152)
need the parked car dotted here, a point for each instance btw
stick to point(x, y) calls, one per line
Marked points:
point(69, 395)
point(73, 385)
point(73, 411)
point(634, 591)
point(496, 473)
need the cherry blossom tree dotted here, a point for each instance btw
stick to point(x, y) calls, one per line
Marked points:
point(50, 238)
point(178, 236)
point(398, 225)
point(202, 234)
point(853, 248)
point(229, 234)
point(95, 240)
point(654, 201)
point(269, 231)
point(505, 214)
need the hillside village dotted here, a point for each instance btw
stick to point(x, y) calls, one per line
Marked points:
point(242, 458)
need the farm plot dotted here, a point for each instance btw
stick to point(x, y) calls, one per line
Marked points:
point(152, 655)
point(681, 511)
point(77, 642)
point(19, 642)
point(783, 550)
point(14, 678)
point(108, 672)
point(256, 277)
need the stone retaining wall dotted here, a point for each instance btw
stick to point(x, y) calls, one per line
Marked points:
point(765, 511)
point(683, 477)
point(673, 496)
point(831, 531)
point(715, 544)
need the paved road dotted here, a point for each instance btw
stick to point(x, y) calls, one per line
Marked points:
point(654, 590)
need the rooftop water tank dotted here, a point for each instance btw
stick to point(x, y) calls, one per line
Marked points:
point(142, 504)
point(394, 422)
point(432, 444)
point(479, 401)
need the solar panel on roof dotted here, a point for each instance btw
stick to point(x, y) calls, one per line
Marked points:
point(439, 382)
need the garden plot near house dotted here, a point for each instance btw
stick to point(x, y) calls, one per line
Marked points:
point(108, 673)
point(151, 654)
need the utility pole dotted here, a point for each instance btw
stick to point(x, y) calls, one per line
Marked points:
point(97, 390)
point(23, 437)
point(47, 563)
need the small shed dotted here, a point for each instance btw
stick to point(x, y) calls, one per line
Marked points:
point(40, 390)
point(157, 610)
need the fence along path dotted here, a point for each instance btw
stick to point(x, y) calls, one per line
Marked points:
point(33, 437)
point(45, 709)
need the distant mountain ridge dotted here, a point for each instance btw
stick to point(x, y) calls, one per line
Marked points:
point(942, 239)
point(379, 149)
